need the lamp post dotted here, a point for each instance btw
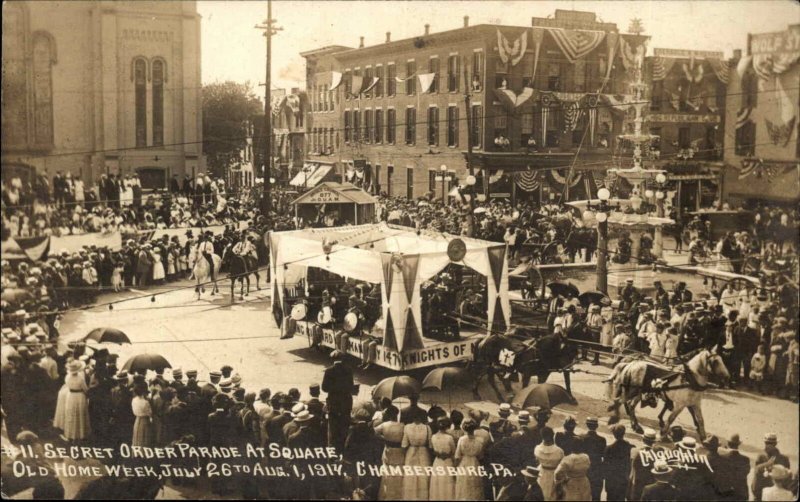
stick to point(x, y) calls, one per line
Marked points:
point(471, 180)
point(601, 215)
point(443, 169)
point(660, 194)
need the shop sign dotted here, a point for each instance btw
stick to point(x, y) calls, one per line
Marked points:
point(683, 118)
point(775, 43)
point(686, 54)
point(323, 196)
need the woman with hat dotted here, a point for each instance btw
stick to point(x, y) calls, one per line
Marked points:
point(143, 429)
point(549, 456)
point(391, 431)
point(469, 451)
point(571, 479)
point(779, 491)
point(75, 418)
point(416, 437)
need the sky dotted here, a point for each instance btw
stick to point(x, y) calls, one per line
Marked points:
point(232, 49)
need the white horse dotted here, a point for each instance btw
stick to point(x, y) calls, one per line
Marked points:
point(202, 271)
point(681, 388)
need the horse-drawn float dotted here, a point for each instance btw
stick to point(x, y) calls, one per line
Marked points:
point(359, 289)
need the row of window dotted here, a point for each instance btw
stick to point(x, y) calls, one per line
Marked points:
point(157, 73)
point(368, 126)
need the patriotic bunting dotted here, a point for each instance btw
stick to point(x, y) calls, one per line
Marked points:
point(743, 116)
point(722, 69)
point(389, 336)
point(765, 169)
point(575, 44)
point(662, 67)
point(631, 47)
point(780, 134)
point(497, 257)
point(409, 265)
point(528, 180)
point(512, 53)
point(571, 115)
point(412, 338)
point(513, 100)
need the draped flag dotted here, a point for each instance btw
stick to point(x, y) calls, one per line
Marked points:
point(277, 103)
point(31, 248)
point(425, 81)
point(662, 67)
point(372, 84)
point(512, 53)
point(722, 69)
point(759, 168)
point(612, 41)
point(336, 80)
point(575, 44)
point(512, 100)
point(528, 180)
point(537, 35)
point(769, 65)
point(780, 134)
point(743, 116)
point(631, 47)
point(571, 115)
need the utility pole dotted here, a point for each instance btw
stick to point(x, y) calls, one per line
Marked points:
point(470, 169)
point(269, 30)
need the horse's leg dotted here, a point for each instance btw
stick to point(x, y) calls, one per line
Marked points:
point(476, 378)
point(233, 286)
point(258, 280)
point(630, 408)
point(661, 414)
point(247, 278)
point(671, 418)
point(697, 415)
point(493, 384)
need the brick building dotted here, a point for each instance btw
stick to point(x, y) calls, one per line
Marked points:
point(762, 119)
point(687, 112)
point(91, 87)
point(391, 114)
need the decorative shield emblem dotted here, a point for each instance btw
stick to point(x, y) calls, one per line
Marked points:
point(350, 322)
point(456, 250)
point(299, 312)
point(507, 357)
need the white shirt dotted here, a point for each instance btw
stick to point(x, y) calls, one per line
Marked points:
point(205, 247)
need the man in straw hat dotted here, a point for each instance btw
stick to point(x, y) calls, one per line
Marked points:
point(662, 489)
point(765, 462)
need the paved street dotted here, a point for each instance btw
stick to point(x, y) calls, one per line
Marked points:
point(206, 334)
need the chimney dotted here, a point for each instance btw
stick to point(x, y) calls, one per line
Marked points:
point(427, 29)
point(388, 36)
point(466, 21)
point(737, 54)
point(361, 43)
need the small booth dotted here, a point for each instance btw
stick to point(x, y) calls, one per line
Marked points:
point(332, 203)
point(396, 262)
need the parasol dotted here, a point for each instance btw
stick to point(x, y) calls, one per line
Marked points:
point(107, 335)
point(566, 289)
point(545, 395)
point(396, 386)
point(144, 362)
point(591, 297)
point(440, 378)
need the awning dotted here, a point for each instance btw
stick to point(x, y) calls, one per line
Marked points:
point(311, 174)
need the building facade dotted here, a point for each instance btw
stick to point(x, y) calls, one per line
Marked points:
point(96, 87)
point(540, 96)
point(763, 120)
point(687, 112)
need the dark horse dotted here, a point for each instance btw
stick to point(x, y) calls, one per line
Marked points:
point(239, 269)
point(506, 355)
point(581, 238)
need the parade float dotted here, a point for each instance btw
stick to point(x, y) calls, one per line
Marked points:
point(400, 261)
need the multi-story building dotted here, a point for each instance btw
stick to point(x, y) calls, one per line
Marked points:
point(94, 87)
point(687, 112)
point(762, 119)
point(541, 98)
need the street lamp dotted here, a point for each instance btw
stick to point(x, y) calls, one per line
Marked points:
point(443, 169)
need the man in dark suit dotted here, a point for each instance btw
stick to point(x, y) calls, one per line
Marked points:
point(567, 440)
point(617, 464)
point(593, 445)
point(221, 433)
point(640, 466)
point(732, 476)
point(187, 186)
point(337, 381)
point(411, 412)
point(121, 415)
point(662, 489)
point(174, 186)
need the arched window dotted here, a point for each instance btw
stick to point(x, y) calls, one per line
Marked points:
point(44, 56)
point(159, 77)
point(15, 89)
point(140, 105)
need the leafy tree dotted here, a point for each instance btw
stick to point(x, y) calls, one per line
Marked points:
point(227, 106)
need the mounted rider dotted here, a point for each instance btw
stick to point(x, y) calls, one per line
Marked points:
point(246, 248)
point(206, 248)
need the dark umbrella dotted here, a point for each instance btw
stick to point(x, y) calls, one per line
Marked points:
point(107, 335)
point(563, 288)
point(589, 297)
point(545, 395)
point(397, 386)
point(144, 362)
point(441, 378)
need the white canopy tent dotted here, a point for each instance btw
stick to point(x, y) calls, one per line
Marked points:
point(395, 257)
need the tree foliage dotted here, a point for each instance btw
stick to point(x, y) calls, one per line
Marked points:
point(227, 106)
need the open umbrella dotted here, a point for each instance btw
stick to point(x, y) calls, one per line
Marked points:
point(589, 297)
point(397, 386)
point(441, 378)
point(563, 288)
point(107, 335)
point(545, 395)
point(144, 362)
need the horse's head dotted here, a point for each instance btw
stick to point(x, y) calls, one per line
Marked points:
point(712, 366)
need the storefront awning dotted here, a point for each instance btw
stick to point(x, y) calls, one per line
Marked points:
point(311, 174)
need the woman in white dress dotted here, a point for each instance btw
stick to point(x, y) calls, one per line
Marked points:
point(143, 430)
point(443, 486)
point(80, 194)
point(470, 449)
point(549, 456)
point(158, 266)
point(126, 195)
point(76, 405)
point(391, 431)
point(416, 437)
